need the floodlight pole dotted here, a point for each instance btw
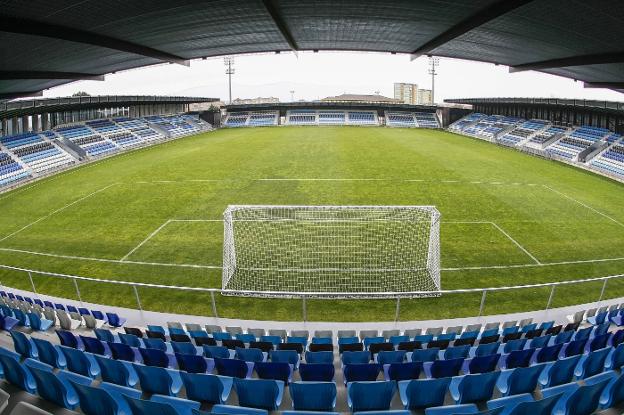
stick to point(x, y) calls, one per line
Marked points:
point(229, 71)
point(292, 96)
point(434, 61)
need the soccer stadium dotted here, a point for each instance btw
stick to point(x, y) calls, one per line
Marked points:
point(181, 253)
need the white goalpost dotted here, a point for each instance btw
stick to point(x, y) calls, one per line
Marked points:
point(345, 251)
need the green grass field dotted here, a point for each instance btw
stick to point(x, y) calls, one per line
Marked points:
point(154, 215)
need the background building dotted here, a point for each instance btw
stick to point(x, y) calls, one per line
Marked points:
point(411, 94)
point(258, 100)
point(370, 98)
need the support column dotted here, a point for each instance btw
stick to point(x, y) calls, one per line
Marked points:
point(5, 126)
point(14, 125)
point(35, 123)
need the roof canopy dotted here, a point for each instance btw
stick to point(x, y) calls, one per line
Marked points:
point(48, 43)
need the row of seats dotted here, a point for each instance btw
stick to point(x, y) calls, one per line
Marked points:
point(11, 171)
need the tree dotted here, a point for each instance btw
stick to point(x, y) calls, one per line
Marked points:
point(81, 94)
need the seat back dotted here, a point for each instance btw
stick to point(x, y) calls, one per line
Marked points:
point(549, 353)
point(122, 351)
point(425, 393)
point(191, 363)
point(316, 372)
point(361, 372)
point(483, 364)
point(113, 371)
point(586, 398)
point(78, 362)
point(313, 396)
point(539, 342)
point(95, 401)
point(93, 345)
point(17, 374)
point(512, 345)
point(477, 387)
point(258, 393)
point(562, 371)
point(154, 357)
point(575, 347)
point(143, 407)
point(318, 357)
point(50, 388)
point(48, 353)
point(22, 344)
point(446, 368)
point(595, 362)
point(290, 356)
point(216, 352)
point(524, 379)
point(203, 388)
point(273, 370)
point(249, 355)
point(487, 349)
point(457, 352)
point(404, 371)
point(104, 335)
point(184, 348)
point(231, 367)
point(396, 356)
point(370, 396)
point(425, 355)
point(130, 339)
point(155, 343)
point(153, 379)
point(355, 357)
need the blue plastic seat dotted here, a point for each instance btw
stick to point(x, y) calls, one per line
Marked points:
point(49, 353)
point(592, 363)
point(184, 348)
point(575, 347)
point(100, 401)
point(130, 339)
point(122, 351)
point(457, 352)
point(156, 329)
point(599, 342)
point(156, 343)
point(80, 362)
point(8, 323)
point(259, 393)
point(487, 349)
point(114, 320)
point(313, 396)
point(473, 388)
point(180, 406)
point(144, 407)
point(58, 389)
point(232, 367)
point(370, 396)
point(362, 357)
point(221, 335)
point(104, 335)
point(425, 355)
point(577, 400)
point(468, 408)
point(616, 358)
point(297, 339)
point(518, 358)
point(154, 357)
point(158, 380)
point(447, 336)
point(250, 355)
point(39, 324)
point(563, 337)
point(548, 354)
point(211, 389)
point(272, 339)
point(21, 317)
point(539, 342)
point(395, 340)
point(319, 357)
point(234, 410)
point(511, 345)
point(118, 372)
point(559, 372)
point(93, 345)
point(519, 380)
point(583, 333)
point(23, 345)
point(483, 364)
point(361, 372)
point(473, 334)
point(403, 371)
point(423, 393)
point(423, 338)
point(17, 374)
point(274, 370)
point(489, 332)
point(524, 404)
point(192, 363)
point(316, 372)
point(397, 356)
point(322, 340)
point(289, 356)
point(215, 352)
point(446, 368)
point(245, 337)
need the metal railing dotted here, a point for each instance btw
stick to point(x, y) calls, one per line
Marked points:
point(304, 296)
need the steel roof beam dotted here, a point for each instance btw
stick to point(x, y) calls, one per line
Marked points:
point(281, 24)
point(580, 60)
point(10, 75)
point(32, 27)
point(13, 95)
point(611, 85)
point(481, 17)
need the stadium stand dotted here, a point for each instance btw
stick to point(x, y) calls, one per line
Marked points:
point(538, 140)
point(411, 119)
point(251, 119)
point(37, 152)
point(611, 160)
point(10, 170)
point(523, 132)
point(576, 141)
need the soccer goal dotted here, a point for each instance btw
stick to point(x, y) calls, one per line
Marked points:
point(345, 251)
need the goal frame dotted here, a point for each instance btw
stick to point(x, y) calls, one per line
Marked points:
point(433, 255)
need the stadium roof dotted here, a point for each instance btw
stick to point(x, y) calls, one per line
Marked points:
point(360, 98)
point(48, 43)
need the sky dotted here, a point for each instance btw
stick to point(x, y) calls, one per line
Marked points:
point(317, 75)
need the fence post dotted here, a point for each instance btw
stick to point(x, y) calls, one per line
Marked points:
point(398, 309)
point(604, 287)
point(214, 304)
point(138, 300)
point(550, 298)
point(482, 303)
point(304, 308)
point(32, 283)
point(77, 290)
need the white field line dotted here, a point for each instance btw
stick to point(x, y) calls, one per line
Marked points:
point(584, 205)
point(116, 261)
point(150, 236)
point(56, 211)
point(516, 243)
point(321, 179)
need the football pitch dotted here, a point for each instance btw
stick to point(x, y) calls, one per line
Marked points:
point(155, 216)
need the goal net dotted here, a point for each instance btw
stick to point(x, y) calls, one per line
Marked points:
point(345, 251)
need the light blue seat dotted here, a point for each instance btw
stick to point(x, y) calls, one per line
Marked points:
point(99, 401)
point(423, 393)
point(559, 372)
point(49, 353)
point(39, 324)
point(181, 406)
point(321, 357)
point(80, 362)
point(58, 389)
point(235, 410)
point(250, 355)
point(473, 388)
point(17, 374)
point(396, 356)
point(579, 400)
point(616, 358)
point(313, 396)
point(259, 393)
point(468, 408)
point(613, 393)
point(592, 363)
point(118, 372)
point(213, 389)
point(370, 396)
point(23, 345)
point(519, 380)
point(158, 380)
point(143, 407)
point(524, 404)
point(349, 358)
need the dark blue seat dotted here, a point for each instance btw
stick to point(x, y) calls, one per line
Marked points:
point(524, 404)
point(446, 368)
point(154, 357)
point(559, 372)
point(192, 363)
point(154, 379)
point(319, 357)
point(316, 372)
point(360, 372)
point(130, 340)
point(184, 348)
point(539, 342)
point(212, 389)
point(577, 400)
point(616, 359)
point(583, 333)
point(118, 372)
point(423, 393)
point(122, 351)
point(370, 396)
point(488, 348)
point(425, 355)
point(50, 354)
point(548, 354)
point(231, 367)
point(104, 335)
point(102, 400)
point(215, 352)
point(290, 356)
point(259, 393)
point(564, 337)
point(397, 356)
point(458, 352)
point(114, 320)
point(181, 406)
point(17, 374)
point(234, 410)
point(93, 345)
point(403, 371)
point(361, 357)
point(313, 396)
point(593, 363)
point(143, 407)
point(575, 347)
point(23, 345)
point(483, 364)
point(58, 389)
point(250, 355)
point(39, 324)
point(80, 362)
point(599, 342)
point(245, 337)
point(274, 370)
point(473, 388)
point(519, 380)
point(156, 343)
point(518, 358)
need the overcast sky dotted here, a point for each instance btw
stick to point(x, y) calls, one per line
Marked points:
point(317, 75)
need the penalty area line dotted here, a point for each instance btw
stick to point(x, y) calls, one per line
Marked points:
point(150, 236)
point(584, 205)
point(501, 230)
